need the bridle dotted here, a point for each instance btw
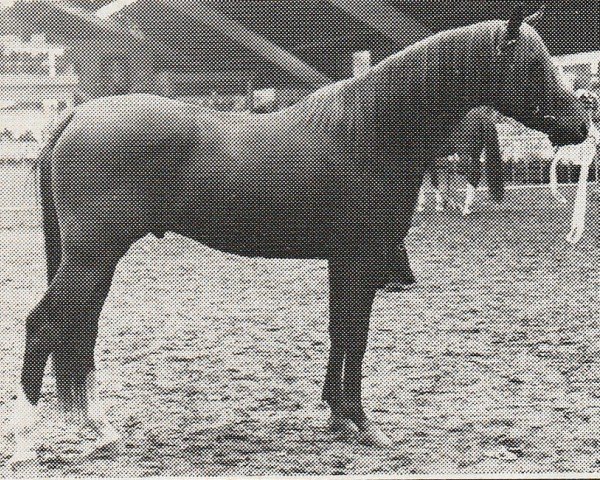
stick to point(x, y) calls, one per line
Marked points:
point(505, 61)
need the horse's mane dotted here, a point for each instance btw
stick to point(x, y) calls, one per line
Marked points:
point(413, 73)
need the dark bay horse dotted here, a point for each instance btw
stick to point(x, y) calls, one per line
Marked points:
point(327, 178)
point(474, 136)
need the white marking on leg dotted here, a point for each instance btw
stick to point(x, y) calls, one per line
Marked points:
point(372, 436)
point(96, 416)
point(23, 423)
point(469, 199)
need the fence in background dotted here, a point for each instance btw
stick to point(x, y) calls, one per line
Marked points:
point(527, 159)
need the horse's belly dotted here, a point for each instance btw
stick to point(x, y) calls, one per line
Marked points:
point(266, 239)
point(248, 218)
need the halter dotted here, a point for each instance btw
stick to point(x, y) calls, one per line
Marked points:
point(504, 57)
point(504, 61)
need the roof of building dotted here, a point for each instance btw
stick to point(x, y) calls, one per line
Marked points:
point(285, 40)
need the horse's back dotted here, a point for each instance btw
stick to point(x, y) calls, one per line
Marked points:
point(139, 163)
point(110, 164)
point(135, 117)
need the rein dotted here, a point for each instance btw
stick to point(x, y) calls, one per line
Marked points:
point(585, 160)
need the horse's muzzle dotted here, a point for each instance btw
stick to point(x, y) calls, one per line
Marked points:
point(561, 135)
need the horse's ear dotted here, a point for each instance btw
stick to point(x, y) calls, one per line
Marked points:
point(535, 17)
point(514, 25)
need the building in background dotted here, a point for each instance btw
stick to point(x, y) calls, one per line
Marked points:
point(580, 69)
point(36, 83)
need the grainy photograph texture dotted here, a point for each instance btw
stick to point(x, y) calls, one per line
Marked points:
point(299, 238)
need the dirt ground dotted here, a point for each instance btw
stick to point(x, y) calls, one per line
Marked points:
point(213, 365)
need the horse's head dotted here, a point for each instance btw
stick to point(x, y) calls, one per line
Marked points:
point(528, 87)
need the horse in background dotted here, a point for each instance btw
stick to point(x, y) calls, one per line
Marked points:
point(476, 144)
point(334, 177)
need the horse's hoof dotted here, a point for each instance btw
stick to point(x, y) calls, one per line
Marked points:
point(107, 441)
point(101, 446)
point(373, 436)
point(107, 435)
point(338, 424)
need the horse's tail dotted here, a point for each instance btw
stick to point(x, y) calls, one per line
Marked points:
point(494, 170)
point(49, 216)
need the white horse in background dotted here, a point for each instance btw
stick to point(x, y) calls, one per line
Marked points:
point(440, 191)
point(475, 144)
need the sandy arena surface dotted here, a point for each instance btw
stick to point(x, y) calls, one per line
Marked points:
point(213, 364)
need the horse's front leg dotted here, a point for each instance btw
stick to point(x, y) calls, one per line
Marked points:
point(333, 387)
point(352, 285)
point(469, 199)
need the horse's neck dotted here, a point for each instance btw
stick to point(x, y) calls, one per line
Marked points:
point(428, 87)
point(400, 105)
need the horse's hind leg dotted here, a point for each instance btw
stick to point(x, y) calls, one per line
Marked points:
point(92, 407)
point(64, 324)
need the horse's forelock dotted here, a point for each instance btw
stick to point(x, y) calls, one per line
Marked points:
point(490, 34)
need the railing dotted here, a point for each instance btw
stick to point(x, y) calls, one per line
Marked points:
point(19, 152)
point(33, 80)
point(527, 159)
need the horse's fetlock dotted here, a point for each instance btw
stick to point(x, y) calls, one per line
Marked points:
point(335, 404)
point(354, 412)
